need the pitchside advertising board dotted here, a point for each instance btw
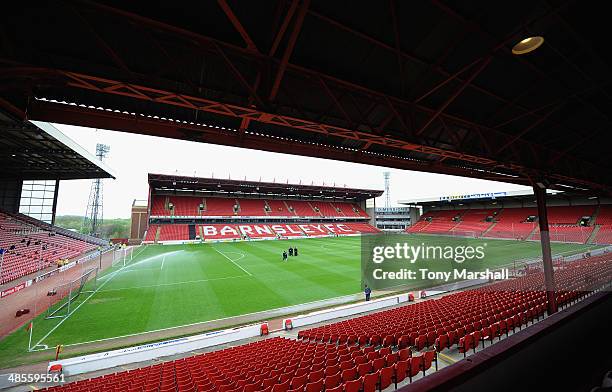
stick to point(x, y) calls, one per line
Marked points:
point(272, 230)
point(406, 262)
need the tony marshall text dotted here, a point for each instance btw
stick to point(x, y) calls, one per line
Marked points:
point(426, 274)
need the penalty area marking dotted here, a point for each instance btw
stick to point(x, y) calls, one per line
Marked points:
point(233, 261)
point(172, 283)
point(110, 277)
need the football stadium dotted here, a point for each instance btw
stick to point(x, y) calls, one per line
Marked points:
point(242, 285)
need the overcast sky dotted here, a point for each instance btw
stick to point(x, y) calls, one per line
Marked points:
point(133, 156)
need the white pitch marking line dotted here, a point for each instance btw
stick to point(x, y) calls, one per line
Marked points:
point(232, 261)
point(163, 260)
point(172, 283)
point(111, 276)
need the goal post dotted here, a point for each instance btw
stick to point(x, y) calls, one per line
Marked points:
point(123, 256)
point(64, 296)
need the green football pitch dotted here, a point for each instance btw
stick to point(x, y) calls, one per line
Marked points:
point(166, 286)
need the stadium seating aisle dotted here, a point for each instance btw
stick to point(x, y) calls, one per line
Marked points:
point(278, 208)
point(367, 353)
point(252, 207)
point(186, 206)
point(350, 209)
point(30, 246)
point(151, 233)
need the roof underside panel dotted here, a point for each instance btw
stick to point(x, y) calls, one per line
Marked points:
point(429, 86)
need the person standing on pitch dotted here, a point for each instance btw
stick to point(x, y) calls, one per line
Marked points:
point(284, 255)
point(290, 251)
point(295, 253)
point(367, 292)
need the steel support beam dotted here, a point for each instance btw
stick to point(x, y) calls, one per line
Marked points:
point(289, 49)
point(549, 274)
point(450, 100)
point(236, 23)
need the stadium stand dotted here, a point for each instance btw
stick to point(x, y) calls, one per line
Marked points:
point(31, 245)
point(367, 353)
point(350, 209)
point(252, 207)
point(278, 208)
point(604, 235)
point(257, 231)
point(215, 231)
point(507, 302)
point(173, 232)
point(218, 206)
point(219, 232)
point(302, 208)
point(566, 233)
point(604, 217)
point(219, 210)
point(151, 233)
point(513, 223)
point(185, 206)
point(569, 215)
point(326, 209)
point(288, 230)
point(158, 206)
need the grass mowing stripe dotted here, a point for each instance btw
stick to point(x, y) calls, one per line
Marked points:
point(79, 305)
point(227, 257)
point(171, 284)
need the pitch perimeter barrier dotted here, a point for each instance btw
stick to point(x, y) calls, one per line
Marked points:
point(346, 310)
point(109, 359)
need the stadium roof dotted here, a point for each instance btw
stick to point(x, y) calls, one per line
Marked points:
point(430, 86)
point(516, 196)
point(39, 151)
point(216, 185)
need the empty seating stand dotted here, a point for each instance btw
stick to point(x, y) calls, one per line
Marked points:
point(229, 231)
point(31, 245)
point(512, 223)
point(174, 233)
point(189, 206)
point(368, 353)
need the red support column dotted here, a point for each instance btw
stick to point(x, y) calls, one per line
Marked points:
point(549, 273)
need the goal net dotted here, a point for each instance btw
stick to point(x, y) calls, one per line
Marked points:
point(64, 296)
point(123, 256)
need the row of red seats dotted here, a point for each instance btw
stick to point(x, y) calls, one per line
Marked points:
point(604, 235)
point(338, 363)
point(271, 365)
point(219, 206)
point(577, 234)
point(424, 322)
point(174, 233)
point(30, 247)
point(512, 223)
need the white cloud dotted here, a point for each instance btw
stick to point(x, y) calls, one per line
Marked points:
point(133, 156)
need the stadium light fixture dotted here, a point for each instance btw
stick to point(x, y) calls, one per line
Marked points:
point(528, 45)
